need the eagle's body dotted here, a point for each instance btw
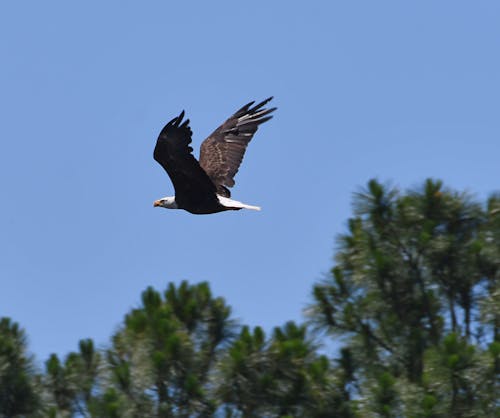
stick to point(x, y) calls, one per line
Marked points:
point(202, 187)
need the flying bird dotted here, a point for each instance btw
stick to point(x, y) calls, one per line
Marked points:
point(202, 187)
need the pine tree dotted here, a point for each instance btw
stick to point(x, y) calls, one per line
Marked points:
point(18, 392)
point(412, 274)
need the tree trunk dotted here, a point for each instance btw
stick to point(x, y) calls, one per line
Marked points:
point(453, 315)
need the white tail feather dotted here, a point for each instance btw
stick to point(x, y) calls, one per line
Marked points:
point(230, 203)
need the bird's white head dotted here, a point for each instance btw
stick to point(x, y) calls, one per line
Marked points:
point(166, 202)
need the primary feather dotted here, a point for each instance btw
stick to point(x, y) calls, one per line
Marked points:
point(222, 152)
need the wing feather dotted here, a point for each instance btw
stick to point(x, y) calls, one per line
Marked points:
point(174, 154)
point(222, 152)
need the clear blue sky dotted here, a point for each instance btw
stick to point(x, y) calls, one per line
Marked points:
point(397, 90)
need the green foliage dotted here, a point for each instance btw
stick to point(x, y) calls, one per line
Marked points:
point(70, 384)
point(161, 360)
point(414, 296)
point(18, 395)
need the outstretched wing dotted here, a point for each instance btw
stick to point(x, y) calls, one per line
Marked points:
point(222, 152)
point(173, 152)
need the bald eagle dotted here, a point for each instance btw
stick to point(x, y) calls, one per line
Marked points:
point(201, 187)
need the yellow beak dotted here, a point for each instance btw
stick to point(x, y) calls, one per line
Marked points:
point(156, 203)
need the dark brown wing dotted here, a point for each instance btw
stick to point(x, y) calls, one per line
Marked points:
point(173, 152)
point(222, 152)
